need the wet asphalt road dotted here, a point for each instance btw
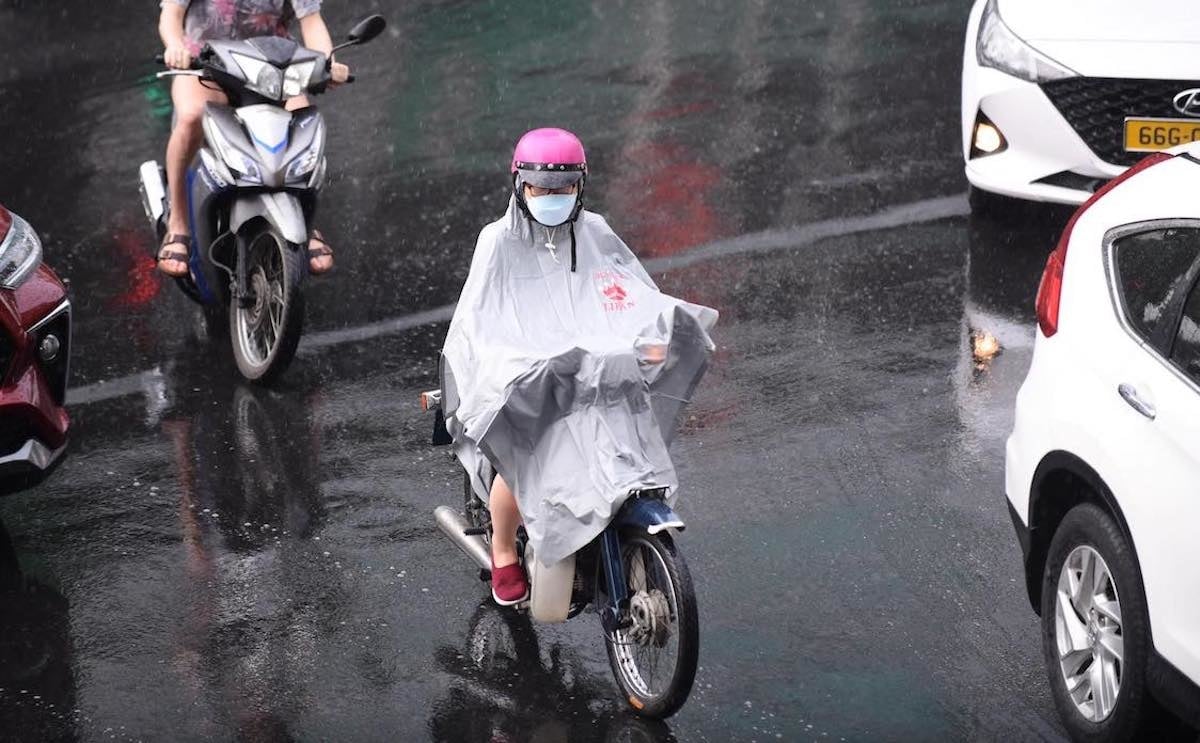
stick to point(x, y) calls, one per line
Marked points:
point(219, 561)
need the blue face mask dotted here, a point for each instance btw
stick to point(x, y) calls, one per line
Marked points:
point(551, 209)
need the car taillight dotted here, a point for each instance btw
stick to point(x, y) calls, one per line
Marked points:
point(1050, 289)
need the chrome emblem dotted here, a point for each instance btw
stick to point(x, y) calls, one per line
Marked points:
point(1188, 102)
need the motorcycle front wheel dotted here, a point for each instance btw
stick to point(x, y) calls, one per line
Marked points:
point(654, 659)
point(266, 331)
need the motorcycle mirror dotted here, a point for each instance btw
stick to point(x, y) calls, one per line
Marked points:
point(367, 29)
point(363, 31)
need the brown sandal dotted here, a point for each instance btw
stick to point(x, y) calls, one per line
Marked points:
point(324, 249)
point(174, 255)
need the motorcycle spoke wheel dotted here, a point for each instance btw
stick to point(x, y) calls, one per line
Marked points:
point(654, 659)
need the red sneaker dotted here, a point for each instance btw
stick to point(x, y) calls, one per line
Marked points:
point(509, 585)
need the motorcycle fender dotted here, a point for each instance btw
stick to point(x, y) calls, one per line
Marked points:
point(650, 514)
point(281, 210)
point(550, 587)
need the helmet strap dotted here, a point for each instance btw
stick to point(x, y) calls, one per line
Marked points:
point(573, 242)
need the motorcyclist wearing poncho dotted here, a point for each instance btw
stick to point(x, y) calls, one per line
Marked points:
point(564, 367)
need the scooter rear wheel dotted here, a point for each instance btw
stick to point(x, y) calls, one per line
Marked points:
point(654, 659)
point(266, 333)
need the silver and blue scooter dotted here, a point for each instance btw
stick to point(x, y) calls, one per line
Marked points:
point(252, 192)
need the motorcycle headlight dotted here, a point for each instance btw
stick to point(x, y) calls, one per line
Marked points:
point(296, 77)
point(305, 162)
point(262, 77)
point(1001, 49)
point(20, 253)
point(239, 162)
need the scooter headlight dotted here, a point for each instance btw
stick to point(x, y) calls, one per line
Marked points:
point(20, 253)
point(297, 77)
point(1001, 49)
point(305, 162)
point(303, 165)
point(262, 77)
point(239, 162)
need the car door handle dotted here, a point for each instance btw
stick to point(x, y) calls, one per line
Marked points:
point(1130, 395)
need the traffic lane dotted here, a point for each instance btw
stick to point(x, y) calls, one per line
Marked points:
point(257, 559)
point(872, 507)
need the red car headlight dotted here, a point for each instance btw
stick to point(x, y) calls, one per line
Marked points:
point(20, 253)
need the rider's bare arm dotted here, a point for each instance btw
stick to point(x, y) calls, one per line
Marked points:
point(315, 35)
point(170, 30)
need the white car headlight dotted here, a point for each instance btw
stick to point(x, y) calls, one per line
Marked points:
point(240, 163)
point(296, 77)
point(262, 77)
point(999, 48)
point(20, 253)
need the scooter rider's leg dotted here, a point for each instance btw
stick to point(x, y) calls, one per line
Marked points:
point(509, 585)
point(505, 519)
point(320, 252)
point(189, 97)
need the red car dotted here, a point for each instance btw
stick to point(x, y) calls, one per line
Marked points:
point(35, 341)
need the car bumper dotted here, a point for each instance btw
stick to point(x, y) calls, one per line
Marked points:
point(33, 426)
point(1045, 158)
point(28, 465)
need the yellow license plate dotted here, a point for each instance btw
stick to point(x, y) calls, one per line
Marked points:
point(1151, 135)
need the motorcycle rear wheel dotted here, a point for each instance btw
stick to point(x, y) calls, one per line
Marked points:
point(265, 334)
point(665, 629)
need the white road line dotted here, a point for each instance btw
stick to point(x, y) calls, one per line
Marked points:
point(767, 241)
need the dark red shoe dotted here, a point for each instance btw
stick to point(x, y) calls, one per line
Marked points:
point(509, 585)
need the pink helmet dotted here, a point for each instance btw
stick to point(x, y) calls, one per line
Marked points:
point(549, 158)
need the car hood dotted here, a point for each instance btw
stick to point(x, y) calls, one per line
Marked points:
point(1160, 39)
point(1155, 21)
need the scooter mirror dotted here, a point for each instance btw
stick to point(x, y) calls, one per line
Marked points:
point(367, 29)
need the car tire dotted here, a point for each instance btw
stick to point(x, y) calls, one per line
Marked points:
point(1131, 713)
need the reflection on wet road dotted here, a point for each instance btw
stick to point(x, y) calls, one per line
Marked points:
point(220, 561)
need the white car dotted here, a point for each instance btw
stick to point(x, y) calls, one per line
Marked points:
point(1059, 96)
point(1103, 465)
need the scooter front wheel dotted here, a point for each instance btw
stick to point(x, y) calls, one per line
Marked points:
point(266, 329)
point(654, 659)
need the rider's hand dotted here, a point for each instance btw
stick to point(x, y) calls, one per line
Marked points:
point(653, 353)
point(338, 74)
point(177, 56)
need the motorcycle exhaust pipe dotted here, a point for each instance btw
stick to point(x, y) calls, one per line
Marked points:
point(455, 525)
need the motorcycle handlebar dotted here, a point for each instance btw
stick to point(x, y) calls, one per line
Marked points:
point(161, 59)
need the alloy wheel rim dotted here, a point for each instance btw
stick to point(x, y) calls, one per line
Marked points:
point(261, 326)
point(1088, 633)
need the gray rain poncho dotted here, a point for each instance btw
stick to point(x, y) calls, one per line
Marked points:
point(547, 377)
